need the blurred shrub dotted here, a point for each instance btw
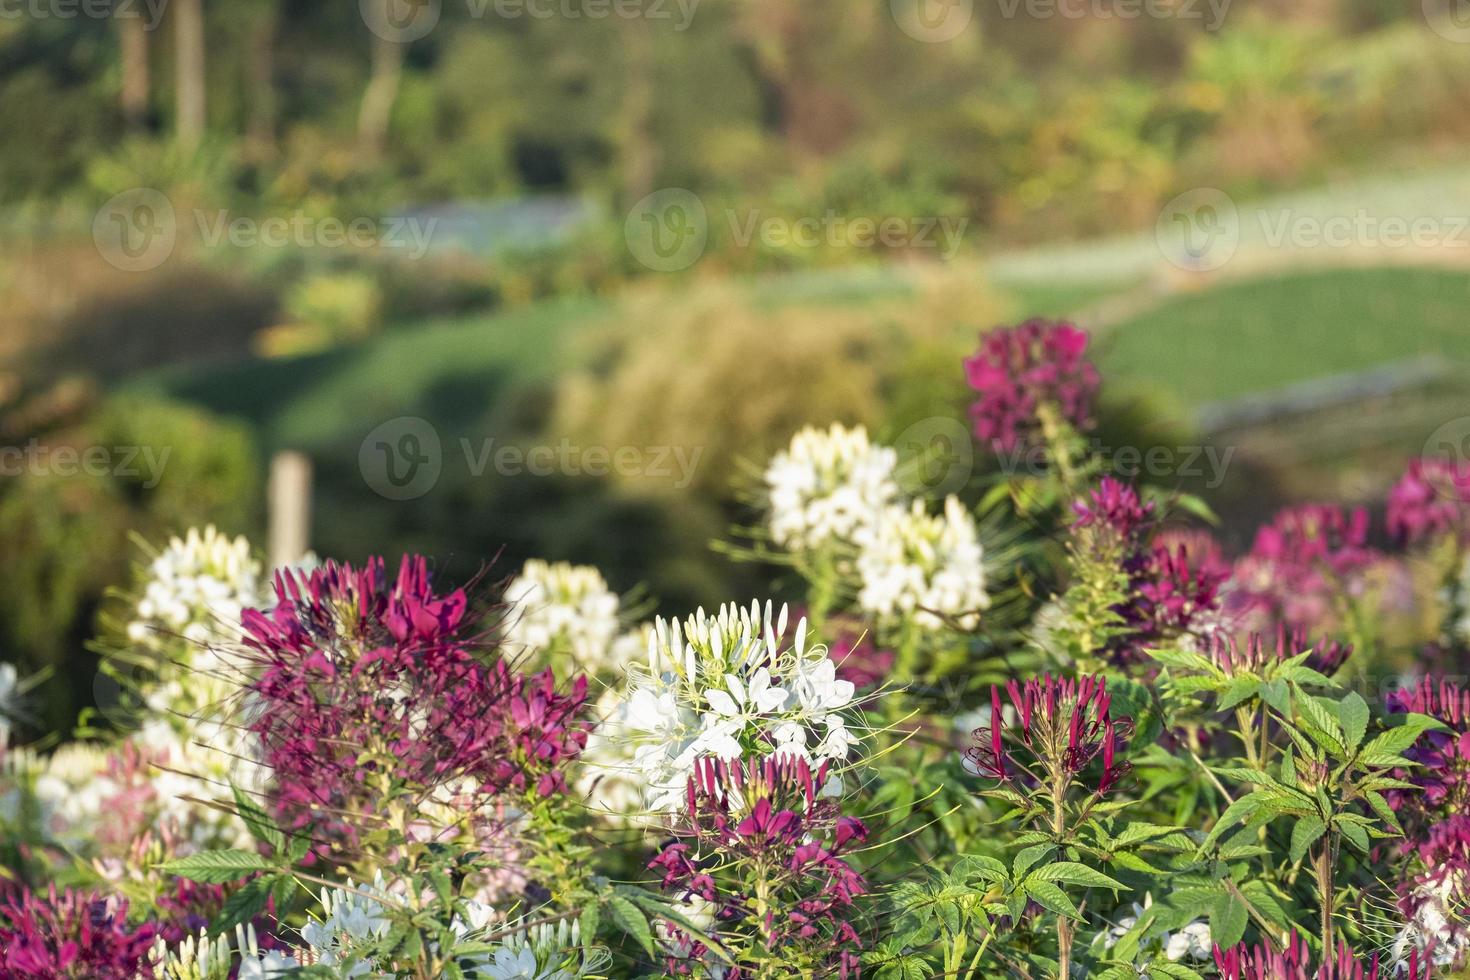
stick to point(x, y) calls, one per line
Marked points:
point(710, 371)
point(64, 527)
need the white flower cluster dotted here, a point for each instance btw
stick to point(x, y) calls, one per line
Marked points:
point(9, 695)
point(925, 568)
point(353, 921)
point(564, 608)
point(829, 487)
point(727, 686)
point(197, 588)
point(836, 487)
point(72, 790)
point(204, 959)
point(1438, 923)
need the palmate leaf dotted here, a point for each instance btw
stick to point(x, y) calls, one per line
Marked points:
point(217, 867)
point(243, 905)
point(1072, 873)
point(1352, 714)
point(1304, 835)
point(260, 823)
point(1228, 917)
point(1051, 898)
point(632, 921)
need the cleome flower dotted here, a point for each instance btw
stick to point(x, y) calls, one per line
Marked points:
point(1260, 962)
point(1055, 723)
point(1020, 369)
point(563, 609)
point(351, 671)
point(923, 568)
point(71, 934)
point(728, 686)
point(1431, 499)
point(761, 845)
point(829, 487)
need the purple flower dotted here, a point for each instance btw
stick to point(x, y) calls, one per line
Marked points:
point(1431, 499)
point(361, 685)
point(1057, 722)
point(767, 814)
point(71, 934)
point(1018, 369)
point(1174, 577)
point(1257, 651)
point(1260, 962)
point(1306, 559)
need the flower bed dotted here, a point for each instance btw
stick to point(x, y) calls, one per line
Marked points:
point(1041, 727)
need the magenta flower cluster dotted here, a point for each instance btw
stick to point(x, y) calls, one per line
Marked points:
point(1430, 500)
point(1017, 370)
point(768, 815)
point(1174, 578)
point(1436, 816)
point(70, 934)
point(1298, 563)
point(1295, 963)
point(360, 682)
point(1062, 724)
point(1258, 651)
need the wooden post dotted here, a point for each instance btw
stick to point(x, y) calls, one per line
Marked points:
point(290, 508)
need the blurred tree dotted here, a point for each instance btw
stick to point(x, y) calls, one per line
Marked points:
point(190, 84)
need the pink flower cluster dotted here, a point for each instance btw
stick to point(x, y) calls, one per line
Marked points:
point(71, 934)
point(1062, 723)
point(360, 683)
point(1294, 963)
point(1430, 500)
point(1174, 577)
point(1018, 369)
point(768, 814)
point(1257, 651)
point(1298, 563)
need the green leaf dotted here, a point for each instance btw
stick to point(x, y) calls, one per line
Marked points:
point(217, 867)
point(1183, 659)
point(243, 906)
point(1304, 835)
point(1129, 861)
point(1073, 873)
point(1228, 918)
point(260, 823)
point(1028, 859)
point(1240, 689)
point(1051, 898)
point(1355, 835)
point(632, 921)
point(1385, 812)
point(1234, 813)
point(1352, 712)
point(1278, 695)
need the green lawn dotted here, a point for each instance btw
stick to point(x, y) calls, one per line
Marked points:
point(1259, 335)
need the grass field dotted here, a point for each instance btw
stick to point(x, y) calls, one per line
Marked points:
point(1252, 336)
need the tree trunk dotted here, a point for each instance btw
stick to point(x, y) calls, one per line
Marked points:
point(261, 77)
point(189, 85)
point(133, 40)
point(381, 93)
